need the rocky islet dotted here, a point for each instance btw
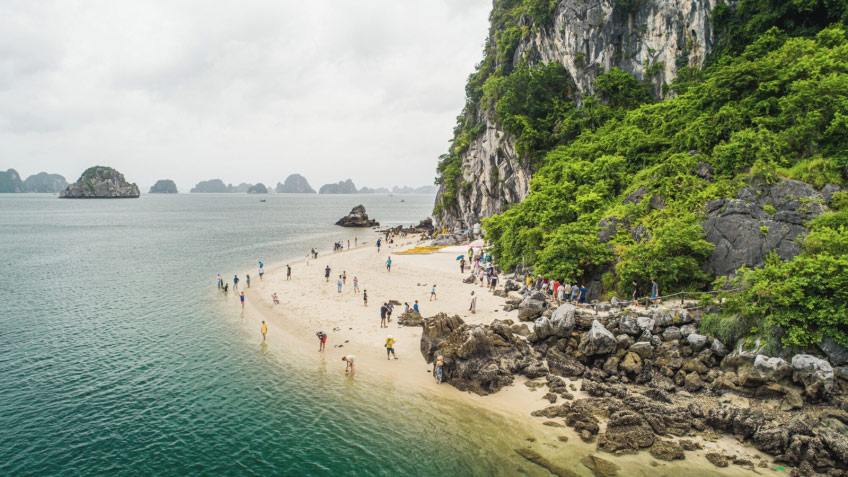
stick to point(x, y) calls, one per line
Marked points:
point(101, 182)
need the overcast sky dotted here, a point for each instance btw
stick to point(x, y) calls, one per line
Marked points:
point(244, 91)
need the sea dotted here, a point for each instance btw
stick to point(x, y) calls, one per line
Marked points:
point(118, 358)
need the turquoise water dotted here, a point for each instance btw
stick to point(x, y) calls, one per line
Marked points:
point(117, 358)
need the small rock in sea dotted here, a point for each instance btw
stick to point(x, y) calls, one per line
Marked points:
point(601, 467)
point(718, 460)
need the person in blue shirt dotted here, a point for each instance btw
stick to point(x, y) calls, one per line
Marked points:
point(655, 293)
point(378, 245)
point(583, 292)
point(415, 307)
point(389, 264)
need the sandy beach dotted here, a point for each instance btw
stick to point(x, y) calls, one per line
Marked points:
point(309, 303)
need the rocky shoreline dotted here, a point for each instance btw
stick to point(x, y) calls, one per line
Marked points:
point(632, 380)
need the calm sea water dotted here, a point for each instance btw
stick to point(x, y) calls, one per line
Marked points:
point(116, 357)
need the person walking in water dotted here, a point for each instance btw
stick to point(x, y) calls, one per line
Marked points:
point(264, 330)
point(355, 241)
point(340, 283)
point(355, 285)
point(261, 270)
point(389, 264)
point(322, 341)
point(327, 274)
point(288, 271)
point(241, 297)
point(220, 282)
point(433, 293)
point(438, 373)
point(473, 307)
point(247, 280)
point(390, 348)
point(350, 366)
point(235, 282)
point(365, 297)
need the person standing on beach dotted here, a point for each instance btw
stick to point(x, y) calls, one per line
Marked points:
point(437, 369)
point(462, 265)
point(327, 274)
point(247, 280)
point(241, 297)
point(322, 341)
point(264, 329)
point(350, 367)
point(348, 244)
point(389, 308)
point(383, 310)
point(355, 241)
point(355, 285)
point(390, 348)
point(344, 277)
point(575, 293)
point(340, 283)
point(415, 307)
point(378, 245)
point(365, 297)
point(389, 264)
point(307, 260)
point(433, 293)
point(235, 282)
point(261, 270)
point(473, 307)
point(288, 270)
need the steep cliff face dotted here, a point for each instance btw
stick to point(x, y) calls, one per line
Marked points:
point(651, 39)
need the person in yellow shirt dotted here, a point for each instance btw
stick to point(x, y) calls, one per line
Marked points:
point(264, 329)
point(390, 347)
point(529, 281)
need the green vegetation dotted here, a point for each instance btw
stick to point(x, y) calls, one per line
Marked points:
point(772, 103)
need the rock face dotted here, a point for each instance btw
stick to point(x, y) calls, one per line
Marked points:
point(587, 37)
point(164, 186)
point(45, 183)
point(209, 187)
point(257, 189)
point(744, 233)
point(295, 184)
point(357, 218)
point(343, 187)
point(598, 340)
point(100, 182)
point(10, 182)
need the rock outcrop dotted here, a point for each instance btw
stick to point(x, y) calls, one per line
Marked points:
point(257, 189)
point(211, 186)
point(357, 218)
point(100, 182)
point(342, 187)
point(163, 186)
point(652, 39)
point(45, 183)
point(10, 182)
point(295, 184)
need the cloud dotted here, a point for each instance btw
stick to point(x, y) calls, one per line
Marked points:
point(245, 91)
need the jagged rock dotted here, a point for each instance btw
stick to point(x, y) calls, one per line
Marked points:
point(357, 218)
point(631, 364)
point(666, 450)
point(836, 354)
point(765, 370)
point(687, 330)
point(295, 184)
point(645, 323)
point(163, 186)
point(100, 182)
point(541, 461)
point(563, 364)
point(447, 239)
point(624, 341)
point(529, 309)
point(718, 348)
point(627, 324)
point(696, 341)
point(559, 324)
point(644, 350)
point(598, 340)
point(510, 285)
point(814, 373)
point(469, 279)
point(626, 431)
point(693, 382)
point(435, 330)
point(601, 467)
point(413, 318)
point(718, 460)
point(672, 333)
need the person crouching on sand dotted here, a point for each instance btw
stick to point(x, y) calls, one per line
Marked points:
point(350, 366)
point(322, 340)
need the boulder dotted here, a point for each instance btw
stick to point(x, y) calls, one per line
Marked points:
point(645, 323)
point(413, 318)
point(563, 364)
point(626, 431)
point(666, 450)
point(718, 348)
point(101, 183)
point(598, 340)
point(836, 353)
point(696, 341)
point(765, 370)
point(357, 218)
point(687, 330)
point(718, 460)
point(624, 341)
point(600, 467)
point(815, 374)
point(644, 350)
point(435, 330)
point(672, 333)
point(510, 285)
point(631, 364)
point(693, 382)
point(559, 324)
point(627, 324)
point(529, 309)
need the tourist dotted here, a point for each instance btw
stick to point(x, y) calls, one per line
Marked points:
point(383, 310)
point(378, 245)
point(348, 244)
point(655, 293)
point(494, 283)
point(355, 241)
point(365, 297)
point(247, 280)
point(235, 282)
point(322, 340)
point(226, 288)
point(275, 298)
point(635, 294)
point(288, 270)
point(220, 282)
point(389, 309)
point(437, 369)
point(560, 294)
point(433, 293)
point(307, 260)
point(340, 283)
point(264, 329)
point(583, 293)
point(389, 264)
point(462, 265)
point(390, 348)
point(481, 276)
point(355, 285)
point(241, 297)
point(350, 367)
point(473, 307)
point(261, 270)
point(327, 274)
point(528, 280)
point(575, 293)
point(415, 307)
point(344, 277)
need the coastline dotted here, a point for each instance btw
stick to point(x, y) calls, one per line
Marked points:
point(309, 303)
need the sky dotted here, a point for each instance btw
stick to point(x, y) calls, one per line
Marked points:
point(244, 91)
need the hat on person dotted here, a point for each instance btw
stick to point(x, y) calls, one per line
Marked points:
point(389, 337)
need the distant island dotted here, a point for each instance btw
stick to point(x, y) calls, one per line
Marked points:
point(295, 184)
point(378, 190)
point(430, 189)
point(101, 182)
point(10, 182)
point(164, 186)
point(257, 189)
point(343, 187)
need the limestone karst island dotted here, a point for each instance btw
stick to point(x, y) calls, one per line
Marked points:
point(579, 238)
